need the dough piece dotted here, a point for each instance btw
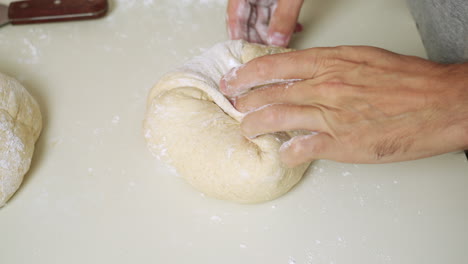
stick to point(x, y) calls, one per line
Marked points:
point(20, 126)
point(195, 130)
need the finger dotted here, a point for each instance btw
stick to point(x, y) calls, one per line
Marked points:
point(283, 22)
point(301, 149)
point(253, 35)
point(298, 65)
point(269, 69)
point(238, 13)
point(283, 93)
point(261, 23)
point(323, 90)
point(280, 117)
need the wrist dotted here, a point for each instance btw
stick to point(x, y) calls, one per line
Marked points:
point(457, 77)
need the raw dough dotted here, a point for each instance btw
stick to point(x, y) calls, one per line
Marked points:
point(195, 130)
point(20, 126)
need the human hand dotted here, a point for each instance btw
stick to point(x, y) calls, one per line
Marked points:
point(270, 22)
point(364, 104)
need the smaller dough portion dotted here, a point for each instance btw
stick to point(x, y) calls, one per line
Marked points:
point(20, 126)
point(195, 129)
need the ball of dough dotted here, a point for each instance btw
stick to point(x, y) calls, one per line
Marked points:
point(195, 129)
point(20, 126)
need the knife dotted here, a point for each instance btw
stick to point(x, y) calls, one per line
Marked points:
point(40, 11)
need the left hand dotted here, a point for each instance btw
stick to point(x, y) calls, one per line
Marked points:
point(366, 104)
point(269, 22)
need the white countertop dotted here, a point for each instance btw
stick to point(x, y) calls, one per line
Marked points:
point(94, 193)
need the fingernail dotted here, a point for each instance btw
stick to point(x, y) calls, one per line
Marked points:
point(298, 28)
point(238, 105)
point(253, 136)
point(222, 85)
point(278, 39)
point(285, 155)
point(286, 145)
point(233, 101)
point(245, 131)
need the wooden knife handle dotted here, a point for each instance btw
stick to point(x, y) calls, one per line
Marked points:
point(40, 11)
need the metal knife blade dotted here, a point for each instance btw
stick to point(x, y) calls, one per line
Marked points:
point(41, 11)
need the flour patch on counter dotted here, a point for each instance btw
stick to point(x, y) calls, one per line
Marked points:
point(148, 2)
point(115, 119)
point(216, 219)
point(30, 51)
point(291, 260)
point(346, 173)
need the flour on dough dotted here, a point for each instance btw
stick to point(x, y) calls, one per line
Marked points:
point(194, 129)
point(20, 126)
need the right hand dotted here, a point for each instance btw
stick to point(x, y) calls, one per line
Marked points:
point(361, 104)
point(269, 22)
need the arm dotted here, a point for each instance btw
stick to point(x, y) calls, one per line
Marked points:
point(368, 105)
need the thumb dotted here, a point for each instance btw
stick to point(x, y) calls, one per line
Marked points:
point(283, 22)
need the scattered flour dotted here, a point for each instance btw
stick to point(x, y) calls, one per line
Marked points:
point(216, 219)
point(291, 260)
point(116, 119)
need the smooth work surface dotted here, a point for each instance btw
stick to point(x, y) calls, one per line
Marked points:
point(94, 193)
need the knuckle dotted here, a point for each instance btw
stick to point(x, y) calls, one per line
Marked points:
point(336, 80)
point(320, 89)
point(291, 59)
point(316, 148)
point(327, 90)
point(343, 49)
point(271, 116)
point(261, 66)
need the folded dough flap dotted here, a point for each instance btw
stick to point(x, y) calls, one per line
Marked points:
point(204, 72)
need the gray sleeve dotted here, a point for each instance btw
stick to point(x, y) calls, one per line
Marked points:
point(443, 26)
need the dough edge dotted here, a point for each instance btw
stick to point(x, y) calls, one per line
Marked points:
point(20, 127)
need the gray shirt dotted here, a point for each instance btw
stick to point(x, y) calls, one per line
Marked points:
point(443, 26)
